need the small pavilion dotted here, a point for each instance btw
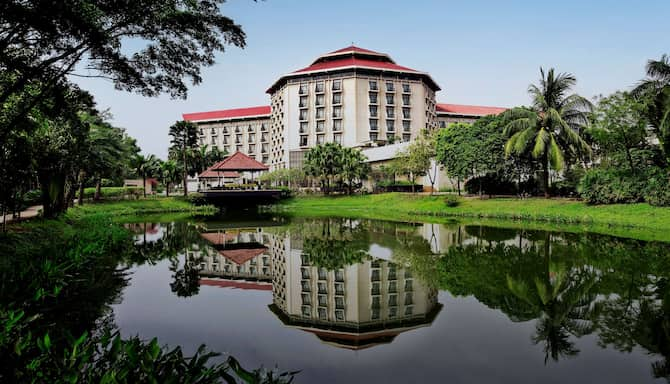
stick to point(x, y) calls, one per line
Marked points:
point(239, 162)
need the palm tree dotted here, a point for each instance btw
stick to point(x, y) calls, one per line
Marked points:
point(184, 141)
point(146, 167)
point(656, 87)
point(550, 129)
point(169, 173)
point(354, 167)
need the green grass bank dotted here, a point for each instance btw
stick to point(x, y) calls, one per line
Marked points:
point(140, 207)
point(640, 221)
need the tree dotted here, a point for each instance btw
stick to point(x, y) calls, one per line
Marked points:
point(550, 129)
point(620, 129)
point(146, 167)
point(324, 163)
point(453, 151)
point(416, 159)
point(655, 92)
point(148, 46)
point(354, 167)
point(184, 140)
point(169, 174)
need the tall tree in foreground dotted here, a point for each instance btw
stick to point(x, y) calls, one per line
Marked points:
point(550, 130)
point(183, 143)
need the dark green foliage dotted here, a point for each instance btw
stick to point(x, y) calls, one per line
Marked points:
point(336, 168)
point(611, 186)
point(490, 184)
point(658, 190)
point(452, 201)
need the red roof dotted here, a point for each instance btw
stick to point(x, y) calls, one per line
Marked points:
point(469, 110)
point(218, 238)
point(236, 284)
point(210, 174)
point(238, 161)
point(355, 62)
point(353, 48)
point(228, 114)
point(241, 256)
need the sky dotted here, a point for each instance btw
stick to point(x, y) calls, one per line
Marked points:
point(479, 52)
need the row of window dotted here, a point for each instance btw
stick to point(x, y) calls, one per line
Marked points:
point(390, 86)
point(320, 139)
point(339, 313)
point(320, 87)
point(390, 137)
point(390, 125)
point(321, 113)
point(390, 112)
point(390, 98)
point(320, 126)
point(320, 100)
point(238, 129)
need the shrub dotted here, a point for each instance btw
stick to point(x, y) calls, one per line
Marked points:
point(490, 184)
point(658, 190)
point(611, 186)
point(113, 192)
point(452, 201)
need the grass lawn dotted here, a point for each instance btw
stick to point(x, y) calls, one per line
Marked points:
point(640, 221)
point(146, 206)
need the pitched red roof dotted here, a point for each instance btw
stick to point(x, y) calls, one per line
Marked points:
point(218, 238)
point(355, 62)
point(469, 110)
point(241, 256)
point(238, 161)
point(236, 284)
point(353, 48)
point(210, 174)
point(228, 114)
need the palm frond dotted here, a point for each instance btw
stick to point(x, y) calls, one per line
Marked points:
point(541, 140)
point(556, 158)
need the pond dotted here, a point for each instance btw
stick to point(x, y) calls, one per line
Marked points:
point(345, 300)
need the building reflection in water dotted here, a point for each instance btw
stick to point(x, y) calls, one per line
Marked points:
point(354, 306)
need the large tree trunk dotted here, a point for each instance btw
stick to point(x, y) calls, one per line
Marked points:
point(53, 190)
point(167, 189)
point(82, 177)
point(185, 171)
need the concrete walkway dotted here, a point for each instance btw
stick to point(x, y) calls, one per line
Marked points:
point(27, 214)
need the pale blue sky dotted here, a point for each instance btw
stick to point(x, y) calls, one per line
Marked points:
point(479, 52)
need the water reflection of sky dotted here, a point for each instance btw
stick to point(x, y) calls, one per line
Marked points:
point(466, 343)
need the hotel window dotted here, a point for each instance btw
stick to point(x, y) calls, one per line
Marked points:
point(390, 99)
point(323, 300)
point(390, 87)
point(337, 85)
point(237, 129)
point(373, 97)
point(322, 288)
point(375, 313)
point(303, 114)
point(239, 148)
point(390, 113)
point(443, 124)
point(376, 303)
point(320, 99)
point(373, 136)
point(212, 131)
point(263, 128)
point(408, 298)
point(306, 311)
point(303, 89)
point(319, 87)
point(303, 102)
point(337, 125)
point(390, 138)
point(339, 315)
point(339, 302)
point(339, 275)
point(306, 298)
point(390, 125)
point(303, 141)
point(250, 128)
point(339, 288)
point(373, 111)
point(320, 126)
point(373, 85)
point(337, 138)
point(392, 274)
point(405, 113)
point(375, 275)
point(202, 133)
point(406, 125)
point(264, 137)
point(252, 149)
point(320, 113)
point(225, 130)
point(265, 159)
point(408, 286)
point(393, 287)
point(252, 137)
point(337, 98)
point(320, 139)
point(374, 124)
point(323, 273)
point(264, 148)
point(405, 88)
point(409, 311)
point(323, 314)
point(375, 288)
point(238, 139)
point(303, 127)
point(337, 112)
point(225, 140)
point(393, 312)
point(393, 300)
point(405, 99)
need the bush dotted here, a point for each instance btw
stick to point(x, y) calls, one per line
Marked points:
point(658, 190)
point(490, 184)
point(452, 201)
point(611, 186)
point(113, 192)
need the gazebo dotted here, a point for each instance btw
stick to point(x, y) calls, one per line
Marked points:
point(239, 162)
point(209, 175)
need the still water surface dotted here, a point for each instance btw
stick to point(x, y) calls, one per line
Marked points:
point(346, 300)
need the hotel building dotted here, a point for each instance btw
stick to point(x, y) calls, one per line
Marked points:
point(352, 96)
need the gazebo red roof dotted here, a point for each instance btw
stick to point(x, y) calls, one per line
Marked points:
point(210, 174)
point(241, 256)
point(238, 161)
